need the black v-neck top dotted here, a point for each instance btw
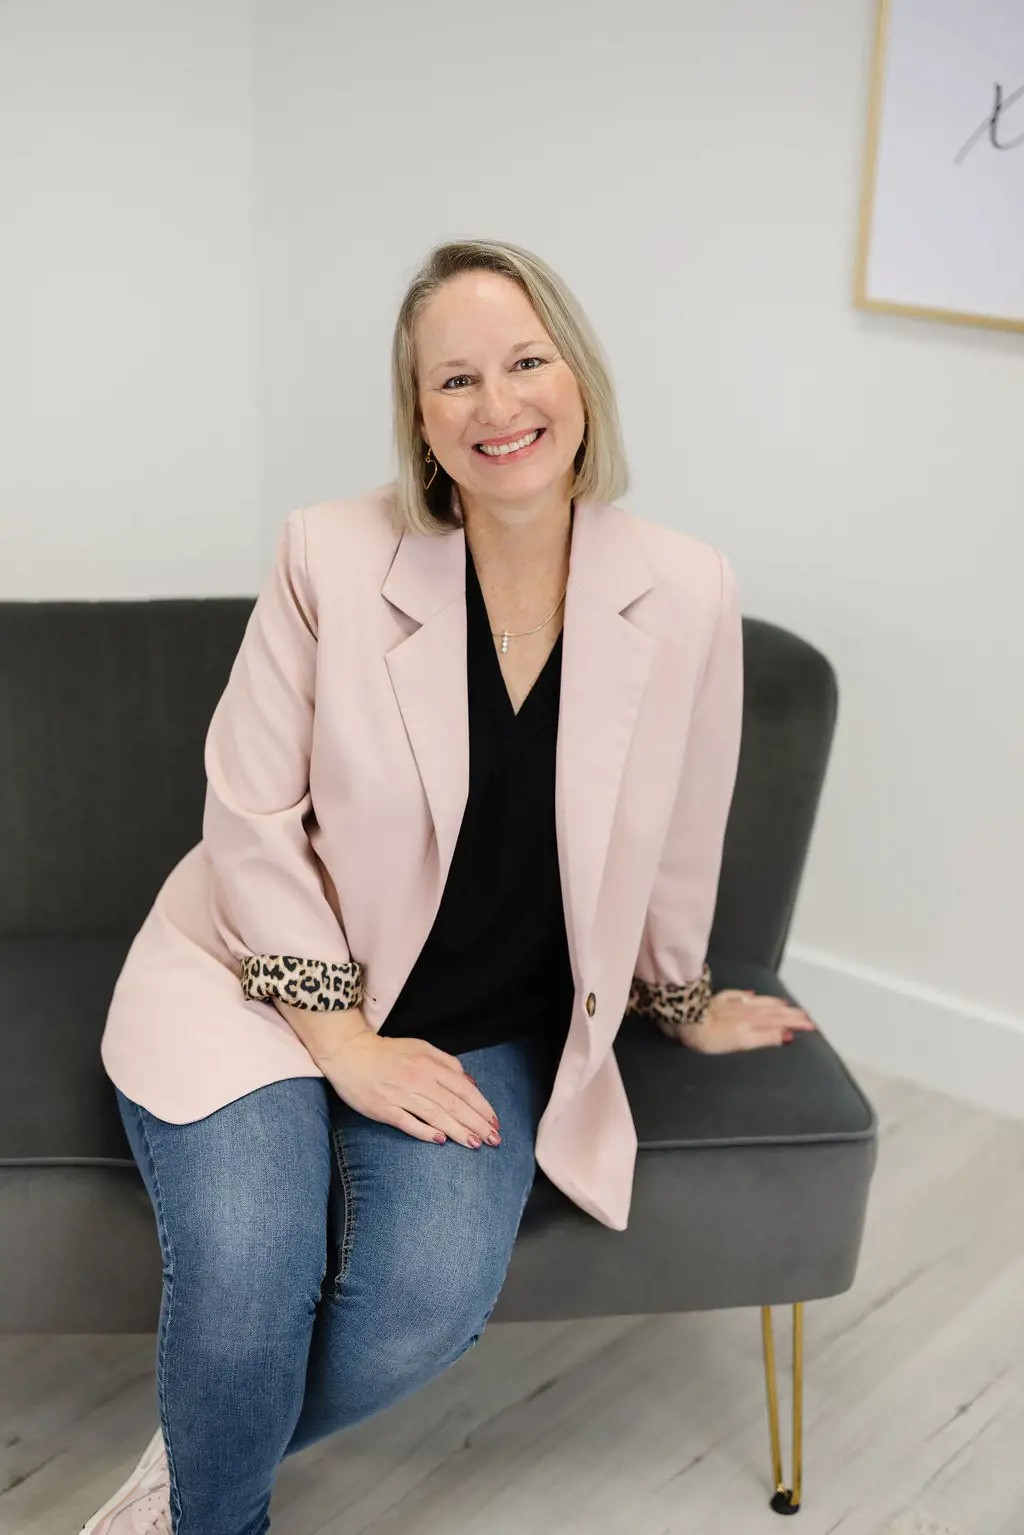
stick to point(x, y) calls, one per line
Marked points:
point(496, 962)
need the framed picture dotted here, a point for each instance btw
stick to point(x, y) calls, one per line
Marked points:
point(942, 206)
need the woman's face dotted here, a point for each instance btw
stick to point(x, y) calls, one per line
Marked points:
point(489, 373)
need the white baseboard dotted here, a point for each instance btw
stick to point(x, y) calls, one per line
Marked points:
point(950, 1043)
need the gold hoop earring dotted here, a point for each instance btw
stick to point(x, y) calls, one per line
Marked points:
point(429, 460)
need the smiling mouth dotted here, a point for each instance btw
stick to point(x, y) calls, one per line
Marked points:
point(501, 450)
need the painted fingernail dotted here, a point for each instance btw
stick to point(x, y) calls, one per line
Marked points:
point(474, 1141)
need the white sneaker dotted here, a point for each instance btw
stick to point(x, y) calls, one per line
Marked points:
point(142, 1505)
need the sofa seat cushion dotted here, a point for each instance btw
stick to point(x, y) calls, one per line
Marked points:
point(750, 1188)
point(60, 988)
point(751, 1182)
point(774, 1095)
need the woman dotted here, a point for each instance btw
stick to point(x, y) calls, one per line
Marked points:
point(449, 839)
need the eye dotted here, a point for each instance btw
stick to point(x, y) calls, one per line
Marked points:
point(455, 378)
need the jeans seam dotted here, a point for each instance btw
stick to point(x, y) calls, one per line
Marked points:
point(161, 1361)
point(348, 1199)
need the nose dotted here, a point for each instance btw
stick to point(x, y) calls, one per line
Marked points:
point(498, 404)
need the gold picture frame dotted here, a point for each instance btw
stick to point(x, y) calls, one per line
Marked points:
point(875, 301)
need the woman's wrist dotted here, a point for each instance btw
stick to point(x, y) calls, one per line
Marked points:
point(324, 1033)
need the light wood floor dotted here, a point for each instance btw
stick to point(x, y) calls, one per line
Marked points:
point(914, 1393)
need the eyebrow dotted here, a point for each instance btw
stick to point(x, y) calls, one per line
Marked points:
point(460, 362)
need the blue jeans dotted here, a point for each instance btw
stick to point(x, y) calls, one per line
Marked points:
point(318, 1266)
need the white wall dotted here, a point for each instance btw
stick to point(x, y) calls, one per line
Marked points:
point(128, 370)
point(694, 173)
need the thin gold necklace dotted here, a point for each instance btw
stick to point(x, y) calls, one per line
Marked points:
point(507, 634)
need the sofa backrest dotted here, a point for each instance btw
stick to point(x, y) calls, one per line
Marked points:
point(107, 707)
point(104, 710)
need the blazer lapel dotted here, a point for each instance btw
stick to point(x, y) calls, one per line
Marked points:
point(427, 581)
point(606, 661)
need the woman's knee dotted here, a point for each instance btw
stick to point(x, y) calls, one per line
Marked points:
point(433, 1298)
point(363, 1363)
point(422, 1334)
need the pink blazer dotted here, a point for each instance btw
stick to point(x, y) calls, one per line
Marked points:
point(337, 763)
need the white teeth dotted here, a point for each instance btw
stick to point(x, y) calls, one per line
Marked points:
point(510, 447)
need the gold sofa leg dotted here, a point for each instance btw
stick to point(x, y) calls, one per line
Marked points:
point(784, 1499)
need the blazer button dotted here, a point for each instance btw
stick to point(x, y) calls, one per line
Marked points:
point(591, 1004)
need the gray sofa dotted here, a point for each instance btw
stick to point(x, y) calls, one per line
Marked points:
point(753, 1169)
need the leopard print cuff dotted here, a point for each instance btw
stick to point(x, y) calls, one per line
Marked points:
point(314, 984)
point(669, 1005)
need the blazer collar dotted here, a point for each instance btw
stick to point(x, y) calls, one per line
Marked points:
point(429, 571)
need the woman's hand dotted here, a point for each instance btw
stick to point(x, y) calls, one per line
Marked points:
point(411, 1084)
point(742, 1020)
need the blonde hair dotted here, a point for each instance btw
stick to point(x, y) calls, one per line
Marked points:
point(601, 469)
